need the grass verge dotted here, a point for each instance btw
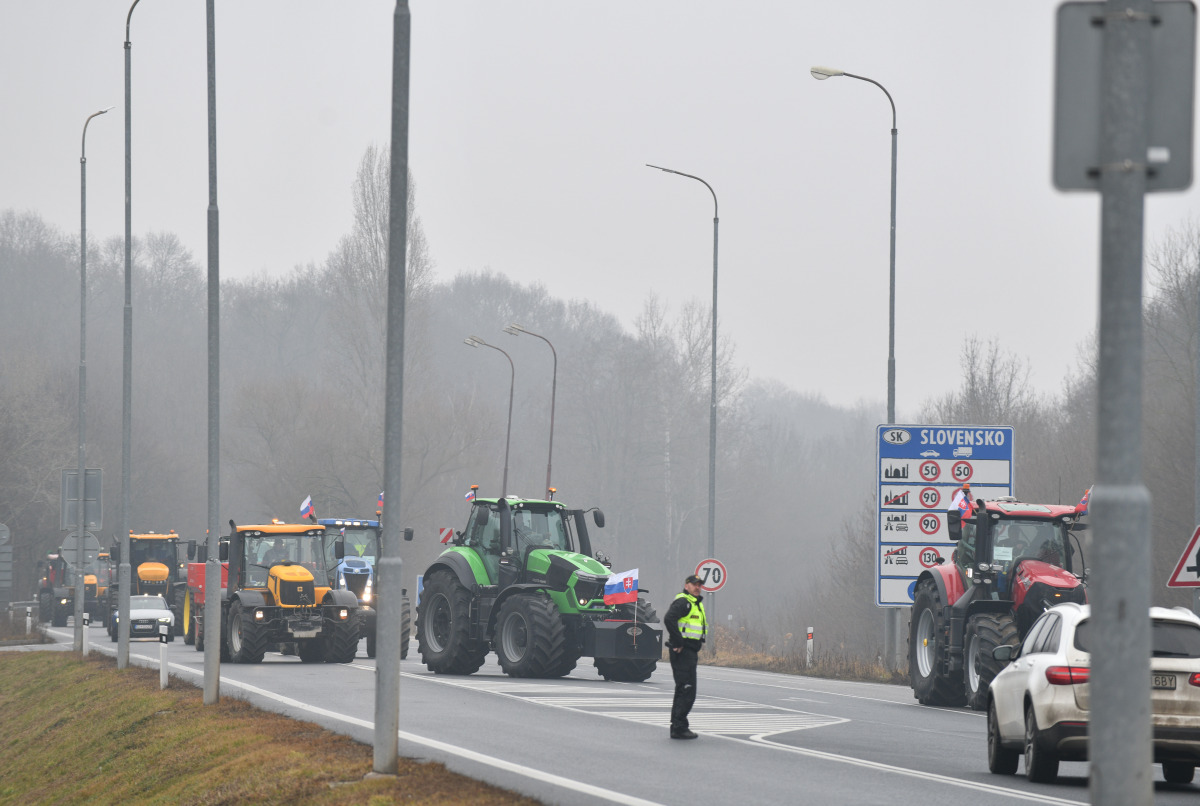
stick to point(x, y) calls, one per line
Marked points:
point(733, 652)
point(77, 731)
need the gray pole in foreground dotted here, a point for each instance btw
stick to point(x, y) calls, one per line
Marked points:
point(82, 530)
point(894, 616)
point(514, 329)
point(212, 568)
point(123, 571)
point(712, 408)
point(475, 341)
point(387, 664)
point(1120, 731)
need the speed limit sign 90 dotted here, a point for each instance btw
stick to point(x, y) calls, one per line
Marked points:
point(712, 575)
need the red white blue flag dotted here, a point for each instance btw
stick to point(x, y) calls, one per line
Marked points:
point(381, 500)
point(963, 502)
point(621, 588)
point(306, 508)
point(470, 496)
point(1082, 507)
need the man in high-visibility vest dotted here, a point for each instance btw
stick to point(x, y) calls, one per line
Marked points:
point(686, 628)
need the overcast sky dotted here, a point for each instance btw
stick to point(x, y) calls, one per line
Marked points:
point(531, 121)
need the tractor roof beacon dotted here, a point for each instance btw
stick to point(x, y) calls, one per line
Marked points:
point(1012, 562)
point(521, 579)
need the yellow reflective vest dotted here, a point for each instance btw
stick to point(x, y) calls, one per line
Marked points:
point(693, 625)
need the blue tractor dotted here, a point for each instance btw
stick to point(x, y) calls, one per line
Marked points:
point(356, 572)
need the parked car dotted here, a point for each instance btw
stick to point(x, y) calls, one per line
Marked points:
point(1038, 704)
point(146, 613)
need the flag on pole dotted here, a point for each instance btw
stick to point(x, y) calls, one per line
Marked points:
point(381, 500)
point(962, 502)
point(306, 508)
point(470, 496)
point(1082, 507)
point(621, 588)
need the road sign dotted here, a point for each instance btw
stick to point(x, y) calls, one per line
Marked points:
point(93, 505)
point(1077, 92)
point(1187, 570)
point(713, 574)
point(920, 468)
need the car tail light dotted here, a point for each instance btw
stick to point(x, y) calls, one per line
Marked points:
point(1066, 675)
point(1194, 679)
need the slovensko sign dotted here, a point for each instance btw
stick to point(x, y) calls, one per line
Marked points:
point(919, 468)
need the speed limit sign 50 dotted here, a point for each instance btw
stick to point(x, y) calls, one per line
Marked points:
point(712, 575)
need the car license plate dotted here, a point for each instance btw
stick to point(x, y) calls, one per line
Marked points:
point(1163, 681)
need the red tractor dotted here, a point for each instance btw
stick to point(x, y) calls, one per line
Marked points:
point(1013, 561)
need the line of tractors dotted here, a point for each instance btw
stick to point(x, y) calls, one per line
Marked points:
point(521, 580)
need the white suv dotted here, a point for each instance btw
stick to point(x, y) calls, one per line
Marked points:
point(1038, 705)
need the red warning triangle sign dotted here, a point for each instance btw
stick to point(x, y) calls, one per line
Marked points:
point(1187, 570)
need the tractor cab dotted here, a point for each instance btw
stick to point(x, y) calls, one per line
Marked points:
point(516, 539)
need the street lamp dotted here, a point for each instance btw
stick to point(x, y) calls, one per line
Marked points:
point(820, 74)
point(79, 593)
point(515, 329)
point(712, 412)
point(475, 341)
point(891, 633)
point(123, 570)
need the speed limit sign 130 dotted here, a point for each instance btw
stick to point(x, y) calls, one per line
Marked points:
point(712, 575)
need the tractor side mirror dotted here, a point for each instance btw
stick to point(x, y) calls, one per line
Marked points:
point(598, 517)
point(954, 525)
point(339, 550)
point(115, 553)
point(201, 554)
point(191, 549)
point(223, 552)
point(408, 535)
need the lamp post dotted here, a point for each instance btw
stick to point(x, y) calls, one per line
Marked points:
point(515, 329)
point(123, 569)
point(79, 592)
point(712, 411)
point(892, 624)
point(475, 341)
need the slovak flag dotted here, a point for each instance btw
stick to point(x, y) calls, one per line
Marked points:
point(470, 496)
point(963, 502)
point(621, 588)
point(381, 500)
point(306, 509)
point(1082, 507)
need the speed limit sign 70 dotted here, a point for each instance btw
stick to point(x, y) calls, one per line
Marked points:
point(712, 575)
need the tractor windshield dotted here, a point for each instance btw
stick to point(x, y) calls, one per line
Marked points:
point(1037, 539)
point(265, 550)
point(540, 529)
point(362, 543)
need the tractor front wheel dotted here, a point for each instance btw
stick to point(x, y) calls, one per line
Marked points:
point(984, 633)
point(247, 643)
point(405, 628)
point(443, 627)
point(926, 647)
point(530, 638)
point(342, 645)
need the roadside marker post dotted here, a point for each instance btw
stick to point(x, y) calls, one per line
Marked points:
point(163, 631)
point(808, 655)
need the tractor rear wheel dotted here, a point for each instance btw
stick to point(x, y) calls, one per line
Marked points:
point(926, 646)
point(198, 629)
point(984, 633)
point(342, 645)
point(189, 621)
point(1178, 772)
point(247, 643)
point(405, 628)
point(530, 637)
point(443, 627)
point(630, 670)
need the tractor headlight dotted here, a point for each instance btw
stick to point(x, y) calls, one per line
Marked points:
point(583, 602)
point(341, 581)
point(258, 615)
point(367, 593)
point(343, 614)
point(62, 601)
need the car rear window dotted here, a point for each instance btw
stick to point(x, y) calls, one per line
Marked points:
point(1169, 639)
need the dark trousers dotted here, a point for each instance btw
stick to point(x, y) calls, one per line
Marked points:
point(683, 667)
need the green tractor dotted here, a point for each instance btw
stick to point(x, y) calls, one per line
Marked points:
point(514, 582)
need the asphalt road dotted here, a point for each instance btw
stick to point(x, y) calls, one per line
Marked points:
point(765, 738)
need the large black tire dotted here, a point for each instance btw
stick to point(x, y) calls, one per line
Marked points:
point(530, 638)
point(405, 628)
point(1001, 760)
point(247, 643)
point(1041, 766)
point(341, 645)
point(177, 608)
point(59, 619)
point(371, 645)
point(199, 630)
point(443, 627)
point(630, 670)
point(926, 645)
point(1178, 772)
point(984, 633)
point(45, 606)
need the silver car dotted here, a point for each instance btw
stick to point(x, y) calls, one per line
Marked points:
point(1038, 704)
point(148, 614)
